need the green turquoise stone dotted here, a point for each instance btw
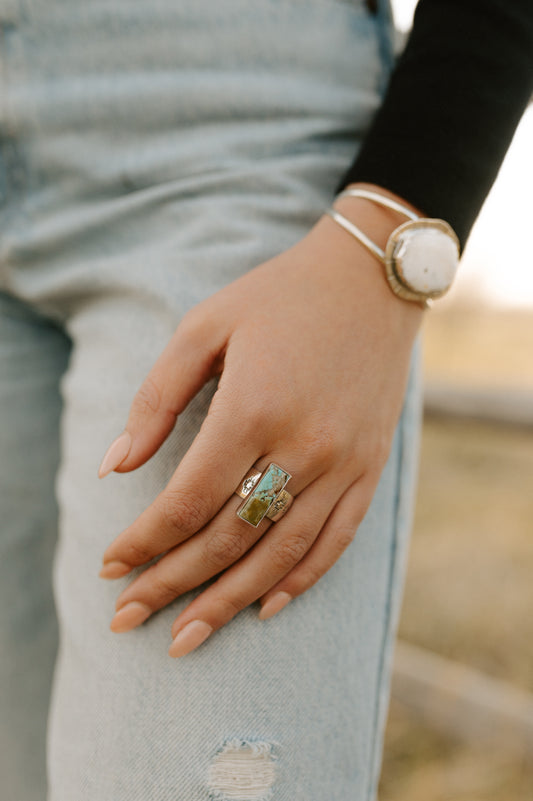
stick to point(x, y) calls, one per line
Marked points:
point(264, 493)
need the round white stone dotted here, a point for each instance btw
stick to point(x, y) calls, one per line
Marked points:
point(426, 260)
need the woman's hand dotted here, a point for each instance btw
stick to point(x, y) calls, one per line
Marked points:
point(312, 349)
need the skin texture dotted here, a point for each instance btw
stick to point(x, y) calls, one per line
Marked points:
point(312, 377)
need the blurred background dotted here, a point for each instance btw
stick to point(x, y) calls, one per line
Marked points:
point(460, 722)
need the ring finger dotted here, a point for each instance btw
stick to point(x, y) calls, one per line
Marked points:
point(189, 564)
point(221, 544)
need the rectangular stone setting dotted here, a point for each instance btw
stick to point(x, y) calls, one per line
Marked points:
point(258, 502)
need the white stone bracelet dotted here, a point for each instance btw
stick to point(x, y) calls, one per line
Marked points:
point(422, 269)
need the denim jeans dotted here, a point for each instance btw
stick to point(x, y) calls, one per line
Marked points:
point(150, 153)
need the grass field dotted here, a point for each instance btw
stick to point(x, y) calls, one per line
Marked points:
point(469, 584)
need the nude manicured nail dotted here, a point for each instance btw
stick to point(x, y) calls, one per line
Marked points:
point(130, 616)
point(115, 454)
point(114, 569)
point(274, 604)
point(190, 637)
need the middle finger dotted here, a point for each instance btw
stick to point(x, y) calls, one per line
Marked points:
point(221, 543)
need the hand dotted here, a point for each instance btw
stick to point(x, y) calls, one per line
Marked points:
point(312, 349)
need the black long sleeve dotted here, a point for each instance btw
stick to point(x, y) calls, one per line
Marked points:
point(454, 100)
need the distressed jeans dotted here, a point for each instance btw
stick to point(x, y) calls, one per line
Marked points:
point(150, 153)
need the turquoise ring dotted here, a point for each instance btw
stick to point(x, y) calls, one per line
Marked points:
point(264, 494)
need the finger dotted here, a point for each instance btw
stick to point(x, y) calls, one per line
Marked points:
point(190, 358)
point(276, 553)
point(185, 567)
point(230, 440)
point(244, 420)
point(216, 547)
point(207, 476)
point(232, 436)
point(336, 535)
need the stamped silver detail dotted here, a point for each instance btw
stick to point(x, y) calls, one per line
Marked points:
point(248, 485)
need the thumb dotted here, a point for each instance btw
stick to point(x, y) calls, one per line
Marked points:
point(193, 355)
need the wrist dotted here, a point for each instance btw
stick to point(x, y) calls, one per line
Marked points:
point(377, 222)
point(420, 254)
point(354, 270)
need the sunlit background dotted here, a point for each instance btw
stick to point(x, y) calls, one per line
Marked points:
point(460, 721)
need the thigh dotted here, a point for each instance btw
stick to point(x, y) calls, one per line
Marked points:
point(160, 162)
point(301, 697)
point(33, 356)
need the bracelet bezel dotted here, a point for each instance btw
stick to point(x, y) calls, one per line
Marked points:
point(393, 265)
point(391, 257)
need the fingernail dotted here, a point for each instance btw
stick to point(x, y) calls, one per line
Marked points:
point(114, 569)
point(190, 637)
point(115, 454)
point(130, 616)
point(274, 604)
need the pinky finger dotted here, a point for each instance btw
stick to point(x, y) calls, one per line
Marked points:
point(337, 533)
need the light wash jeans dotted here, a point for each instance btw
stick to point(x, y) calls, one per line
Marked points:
point(150, 153)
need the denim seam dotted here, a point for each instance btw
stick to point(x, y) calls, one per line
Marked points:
point(393, 570)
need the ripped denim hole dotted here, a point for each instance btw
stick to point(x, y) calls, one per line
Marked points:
point(242, 770)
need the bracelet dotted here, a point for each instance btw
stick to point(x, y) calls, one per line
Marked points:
point(371, 246)
point(382, 200)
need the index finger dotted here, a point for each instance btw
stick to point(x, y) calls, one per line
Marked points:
point(225, 448)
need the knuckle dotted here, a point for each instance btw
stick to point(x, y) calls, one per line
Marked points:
point(221, 549)
point(184, 511)
point(321, 444)
point(309, 576)
point(366, 499)
point(226, 608)
point(138, 552)
point(162, 586)
point(370, 453)
point(258, 412)
point(379, 453)
point(344, 535)
point(290, 551)
point(190, 326)
point(264, 411)
point(257, 415)
point(147, 399)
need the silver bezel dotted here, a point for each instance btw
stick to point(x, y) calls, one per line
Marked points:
point(393, 269)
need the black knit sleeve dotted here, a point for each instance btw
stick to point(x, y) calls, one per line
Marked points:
point(452, 105)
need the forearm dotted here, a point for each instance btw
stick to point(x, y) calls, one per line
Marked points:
point(451, 108)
